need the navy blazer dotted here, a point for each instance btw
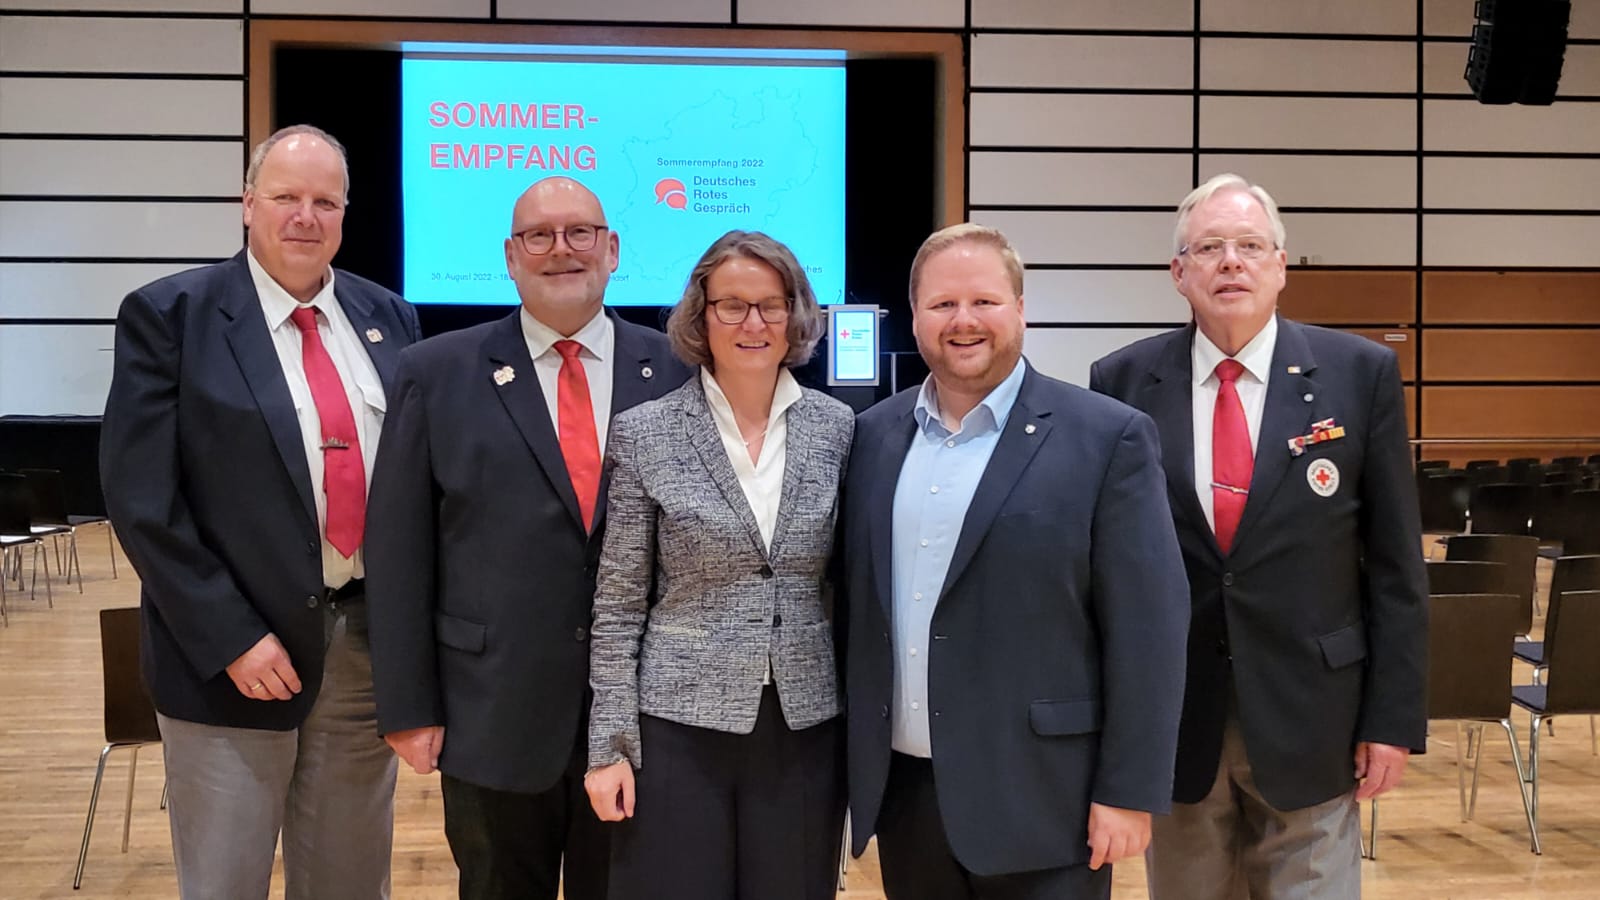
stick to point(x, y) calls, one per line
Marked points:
point(206, 481)
point(1318, 616)
point(480, 575)
point(1055, 669)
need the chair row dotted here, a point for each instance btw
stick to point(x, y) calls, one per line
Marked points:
point(33, 509)
point(1563, 514)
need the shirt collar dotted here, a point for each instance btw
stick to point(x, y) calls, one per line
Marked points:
point(990, 413)
point(541, 337)
point(276, 302)
point(1255, 356)
point(785, 394)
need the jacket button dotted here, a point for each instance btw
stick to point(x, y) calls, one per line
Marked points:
point(311, 601)
point(580, 633)
point(777, 620)
point(1222, 647)
point(1227, 579)
point(311, 548)
point(886, 712)
point(766, 571)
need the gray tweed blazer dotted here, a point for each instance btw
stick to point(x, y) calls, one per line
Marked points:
point(689, 609)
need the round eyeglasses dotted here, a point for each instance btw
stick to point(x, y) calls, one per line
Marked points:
point(540, 240)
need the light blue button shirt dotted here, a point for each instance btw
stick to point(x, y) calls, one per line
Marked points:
point(937, 482)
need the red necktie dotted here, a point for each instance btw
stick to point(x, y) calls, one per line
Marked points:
point(1232, 462)
point(580, 447)
point(344, 476)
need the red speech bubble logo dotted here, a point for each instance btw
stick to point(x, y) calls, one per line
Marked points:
point(670, 191)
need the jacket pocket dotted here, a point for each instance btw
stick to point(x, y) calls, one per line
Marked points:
point(1058, 717)
point(461, 634)
point(1344, 647)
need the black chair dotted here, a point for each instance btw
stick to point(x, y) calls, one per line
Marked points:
point(1470, 576)
point(1433, 464)
point(1522, 468)
point(1572, 681)
point(16, 532)
point(1567, 463)
point(1501, 508)
point(1549, 511)
point(1580, 528)
point(129, 713)
point(1572, 574)
point(49, 516)
point(1464, 630)
point(1520, 555)
point(1443, 499)
point(1486, 475)
point(1482, 464)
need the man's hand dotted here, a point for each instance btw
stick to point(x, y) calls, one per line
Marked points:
point(264, 673)
point(611, 791)
point(1379, 768)
point(419, 747)
point(1116, 834)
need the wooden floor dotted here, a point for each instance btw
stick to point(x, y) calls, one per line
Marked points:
point(50, 738)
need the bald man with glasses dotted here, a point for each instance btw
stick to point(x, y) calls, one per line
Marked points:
point(487, 515)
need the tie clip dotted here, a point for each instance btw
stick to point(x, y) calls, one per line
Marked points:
point(1228, 487)
point(334, 443)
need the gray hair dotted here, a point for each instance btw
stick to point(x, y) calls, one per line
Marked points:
point(686, 326)
point(968, 233)
point(259, 155)
point(1225, 182)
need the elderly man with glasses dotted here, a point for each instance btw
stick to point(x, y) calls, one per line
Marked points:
point(486, 525)
point(1290, 484)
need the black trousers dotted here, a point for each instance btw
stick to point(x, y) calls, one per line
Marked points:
point(917, 863)
point(723, 816)
point(515, 846)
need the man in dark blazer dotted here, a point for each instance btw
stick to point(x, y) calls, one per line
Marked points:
point(1016, 609)
point(246, 404)
point(488, 517)
point(1290, 482)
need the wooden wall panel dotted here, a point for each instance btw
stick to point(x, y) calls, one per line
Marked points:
point(1403, 341)
point(1565, 298)
point(1511, 412)
point(1411, 411)
point(1503, 354)
point(1325, 297)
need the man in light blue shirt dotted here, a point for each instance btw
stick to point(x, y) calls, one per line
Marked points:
point(1017, 609)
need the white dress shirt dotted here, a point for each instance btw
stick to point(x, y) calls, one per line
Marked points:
point(599, 340)
point(362, 387)
point(1256, 357)
point(761, 479)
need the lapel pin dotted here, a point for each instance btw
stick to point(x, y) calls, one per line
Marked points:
point(1294, 370)
point(1308, 398)
point(647, 372)
point(504, 376)
point(374, 336)
point(1029, 428)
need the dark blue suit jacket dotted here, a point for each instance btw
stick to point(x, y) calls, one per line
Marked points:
point(1318, 616)
point(480, 576)
point(206, 480)
point(1055, 670)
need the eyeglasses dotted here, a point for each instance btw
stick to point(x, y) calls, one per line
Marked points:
point(540, 240)
point(732, 311)
point(1248, 246)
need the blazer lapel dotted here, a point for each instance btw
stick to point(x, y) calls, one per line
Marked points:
point(634, 380)
point(505, 349)
point(1288, 413)
point(253, 349)
point(1168, 398)
point(1025, 431)
point(799, 432)
point(375, 333)
point(889, 456)
point(707, 442)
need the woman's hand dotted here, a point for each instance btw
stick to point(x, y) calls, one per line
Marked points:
point(611, 791)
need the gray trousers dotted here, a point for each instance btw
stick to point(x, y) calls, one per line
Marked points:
point(328, 787)
point(1234, 845)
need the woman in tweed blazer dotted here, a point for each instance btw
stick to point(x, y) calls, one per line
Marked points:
point(714, 734)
